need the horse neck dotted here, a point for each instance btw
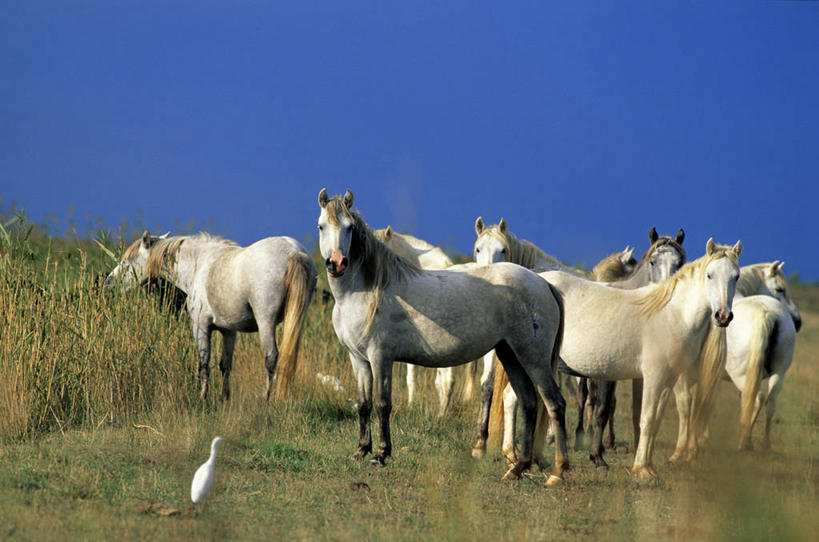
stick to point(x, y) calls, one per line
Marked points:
point(193, 256)
point(690, 302)
point(751, 281)
point(637, 279)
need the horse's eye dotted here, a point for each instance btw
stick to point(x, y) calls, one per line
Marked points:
point(503, 251)
point(780, 290)
point(321, 228)
point(651, 263)
point(709, 276)
point(477, 250)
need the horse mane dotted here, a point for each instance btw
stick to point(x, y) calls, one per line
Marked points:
point(609, 269)
point(521, 252)
point(164, 249)
point(659, 296)
point(379, 265)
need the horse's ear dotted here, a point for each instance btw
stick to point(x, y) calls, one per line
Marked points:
point(388, 233)
point(627, 254)
point(709, 246)
point(737, 249)
point(146, 239)
point(780, 266)
point(348, 199)
point(165, 235)
point(680, 237)
point(773, 268)
point(652, 235)
point(479, 225)
point(323, 198)
point(503, 226)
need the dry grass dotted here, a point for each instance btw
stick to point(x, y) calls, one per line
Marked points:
point(101, 418)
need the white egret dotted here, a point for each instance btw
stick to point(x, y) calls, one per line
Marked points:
point(203, 478)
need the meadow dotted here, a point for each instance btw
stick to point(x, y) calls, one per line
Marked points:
point(101, 429)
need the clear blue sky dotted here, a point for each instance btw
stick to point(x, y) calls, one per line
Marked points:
point(583, 123)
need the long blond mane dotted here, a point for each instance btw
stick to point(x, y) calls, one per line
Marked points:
point(162, 251)
point(659, 297)
point(378, 265)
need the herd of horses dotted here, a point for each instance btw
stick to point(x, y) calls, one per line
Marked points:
point(662, 322)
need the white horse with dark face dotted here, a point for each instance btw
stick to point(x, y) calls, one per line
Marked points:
point(229, 289)
point(389, 310)
point(655, 333)
point(426, 256)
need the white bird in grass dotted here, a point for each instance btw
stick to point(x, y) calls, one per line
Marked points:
point(203, 478)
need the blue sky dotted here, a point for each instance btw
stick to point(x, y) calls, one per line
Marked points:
point(583, 123)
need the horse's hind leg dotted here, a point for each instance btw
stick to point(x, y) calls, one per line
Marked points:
point(610, 440)
point(410, 383)
point(444, 379)
point(510, 409)
point(636, 408)
point(774, 387)
point(225, 364)
point(605, 391)
point(364, 386)
point(202, 335)
point(580, 397)
point(267, 336)
point(527, 399)
point(469, 384)
point(487, 388)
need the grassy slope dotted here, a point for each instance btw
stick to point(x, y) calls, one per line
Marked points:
point(101, 419)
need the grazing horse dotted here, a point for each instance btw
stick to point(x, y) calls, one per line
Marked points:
point(495, 243)
point(655, 333)
point(425, 256)
point(663, 258)
point(387, 309)
point(760, 343)
point(230, 288)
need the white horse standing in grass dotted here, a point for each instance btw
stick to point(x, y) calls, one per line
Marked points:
point(494, 244)
point(426, 256)
point(760, 344)
point(229, 289)
point(761, 341)
point(389, 310)
point(655, 333)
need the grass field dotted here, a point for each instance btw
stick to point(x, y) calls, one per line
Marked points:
point(101, 430)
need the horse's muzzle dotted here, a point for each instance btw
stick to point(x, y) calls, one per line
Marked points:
point(723, 317)
point(336, 264)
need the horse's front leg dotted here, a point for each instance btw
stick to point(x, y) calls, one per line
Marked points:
point(225, 364)
point(487, 388)
point(655, 393)
point(682, 397)
point(636, 408)
point(201, 333)
point(382, 391)
point(580, 396)
point(601, 415)
point(364, 386)
point(611, 443)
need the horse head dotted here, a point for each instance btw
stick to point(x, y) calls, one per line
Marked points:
point(665, 256)
point(491, 245)
point(721, 275)
point(335, 224)
point(132, 268)
point(775, 285)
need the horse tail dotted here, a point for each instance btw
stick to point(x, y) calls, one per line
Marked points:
point(496, 410)
point(762, 327)
point(712, 363)
point(299, 280)
point(556, 361)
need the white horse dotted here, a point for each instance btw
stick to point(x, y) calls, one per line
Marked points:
point(761, 341)
point(654, 333)
point(760, 344)
point(230, 289)
point(389, 310)
point(426, 256)
point(495, 243)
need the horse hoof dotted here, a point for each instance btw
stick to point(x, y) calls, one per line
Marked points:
point(644, 473)
point(378, 461)
point(554, 480)
point(358, 455)
point(478, 453)
point(511, 474)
